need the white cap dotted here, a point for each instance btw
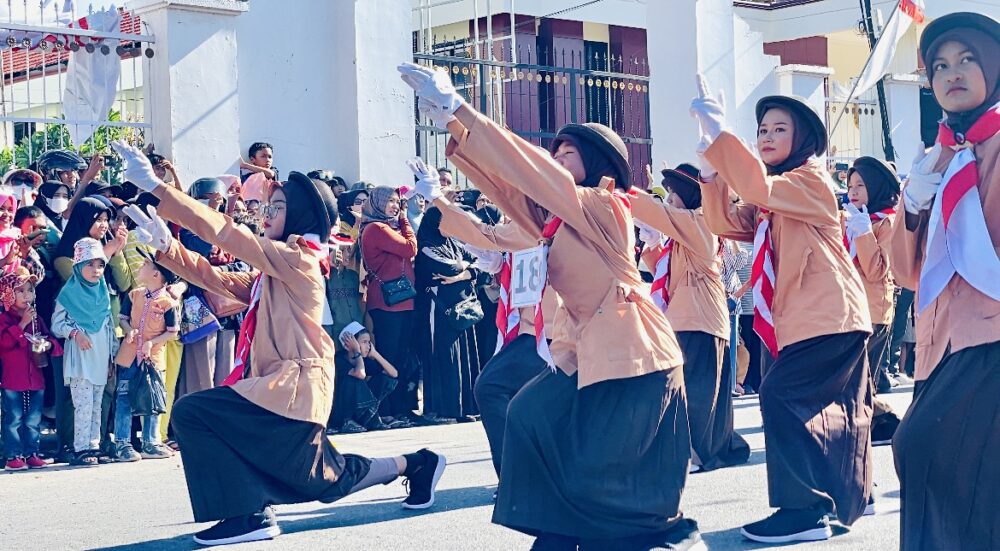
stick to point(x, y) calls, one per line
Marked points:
point(352, 329)
point(88, 249)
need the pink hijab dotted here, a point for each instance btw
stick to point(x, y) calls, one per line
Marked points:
point(10, 234)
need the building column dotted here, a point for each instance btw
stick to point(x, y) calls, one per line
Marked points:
point(190, 85)
point(685, 38)
point(903, 96)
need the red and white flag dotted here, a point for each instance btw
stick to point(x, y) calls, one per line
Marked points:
point(907, 12)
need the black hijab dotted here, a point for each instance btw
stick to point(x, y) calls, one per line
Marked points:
point(808, 136)
point(45, 194)
point(683, 181)
point(470, 196)
point(344, 203)
point(596, 165)
point(880, 182)
point(602, 151)
point(311, 207)
point(429, 235)
point(86, 211)
point(490, 215)
point(987, 52)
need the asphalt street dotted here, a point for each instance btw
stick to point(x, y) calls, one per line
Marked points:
point(144, 506)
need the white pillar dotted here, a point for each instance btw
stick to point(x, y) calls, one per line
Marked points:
point(903, 96)
point(685, 38)
point(808, 82)
point(190, 88)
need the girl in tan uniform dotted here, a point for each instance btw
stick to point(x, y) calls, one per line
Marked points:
point(873, 191)
point(947, 447)
point(810, 310)
point(262, 441)
point(687, 285)
point(597, 448)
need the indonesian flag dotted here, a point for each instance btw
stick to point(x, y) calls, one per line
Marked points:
point(906, 13)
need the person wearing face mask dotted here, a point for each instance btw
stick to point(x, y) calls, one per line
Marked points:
point(816, 397)
point(615, 368)
point(948, 446)
point(53, 198)
point(24, 184)
point(687, 286)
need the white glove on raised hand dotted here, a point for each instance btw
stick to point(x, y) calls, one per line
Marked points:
point(859, 222)
point(438, 115)
point(708, 171)
point(138, 169)
point(647, 234)
point(152, 230)
point(922, 183)
point(433, 86)
point(709, 111)
point(427, 184)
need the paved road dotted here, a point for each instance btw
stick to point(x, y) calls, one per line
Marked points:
point(143, 506)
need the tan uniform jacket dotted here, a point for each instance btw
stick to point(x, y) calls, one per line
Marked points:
point(608, 327)
point(961, 316)
point(291, 357)
point(817, 290)
point(697, 296)
point(873, 264)
point(505, 237)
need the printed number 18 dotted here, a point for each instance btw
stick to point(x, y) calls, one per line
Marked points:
point(533, 276)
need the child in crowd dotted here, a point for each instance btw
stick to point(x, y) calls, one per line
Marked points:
point(257, 175)
point(149, 321)
point(23, 336)
point(83, 318)
point(364, 378)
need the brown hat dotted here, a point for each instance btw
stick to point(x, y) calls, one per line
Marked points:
point(11, 282)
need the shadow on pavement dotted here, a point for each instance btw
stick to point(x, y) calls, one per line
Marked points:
point(348, 514)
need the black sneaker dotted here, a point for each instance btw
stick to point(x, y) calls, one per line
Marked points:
point(377, 424)
point(421, 483)
point(883, 428)
point(352, 427)
point(256, 527)
point(788, 525)
point(683, 536)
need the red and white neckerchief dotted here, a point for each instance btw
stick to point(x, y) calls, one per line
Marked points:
point(548, 233)
point(247, 330)
point(958, 240)
point(508, 318)
point(762, 278)
point(661, 277)
point(875, 217)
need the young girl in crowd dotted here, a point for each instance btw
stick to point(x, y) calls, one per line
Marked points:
point(612, 412)
point(873, 191)
point(687, 286)
point(948, 446)
point(83, 317)
point(53, 198)
point(811, 312)
point(262, 441)
point(23, 384)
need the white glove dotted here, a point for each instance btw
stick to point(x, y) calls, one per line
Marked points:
point(438, 115)
point(138, 169)
point(434, 86)
point(922, 184)
point(708, 171)
point(858, 221)
point(152, 230)
point(710, 112)
point(427, 184)
point(647, 234)
point(486, 260)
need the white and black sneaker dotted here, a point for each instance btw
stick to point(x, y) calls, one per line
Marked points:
point(788, 525)
point(422, 481)
point(870, 508)
point(256, 527)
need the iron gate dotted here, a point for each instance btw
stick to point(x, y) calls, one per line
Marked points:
point(536, 92)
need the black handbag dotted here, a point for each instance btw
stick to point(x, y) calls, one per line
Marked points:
point(146, 392)
point(465, 313)
point(396, 290)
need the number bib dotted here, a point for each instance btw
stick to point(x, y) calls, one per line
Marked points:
point(528, 276)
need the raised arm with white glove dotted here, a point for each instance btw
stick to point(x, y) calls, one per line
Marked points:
point(922, 183)
point(138, 169)
point(709, 111)
point(859, 222)
point(428, 183)
point(152, 230)
point(438, 98)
